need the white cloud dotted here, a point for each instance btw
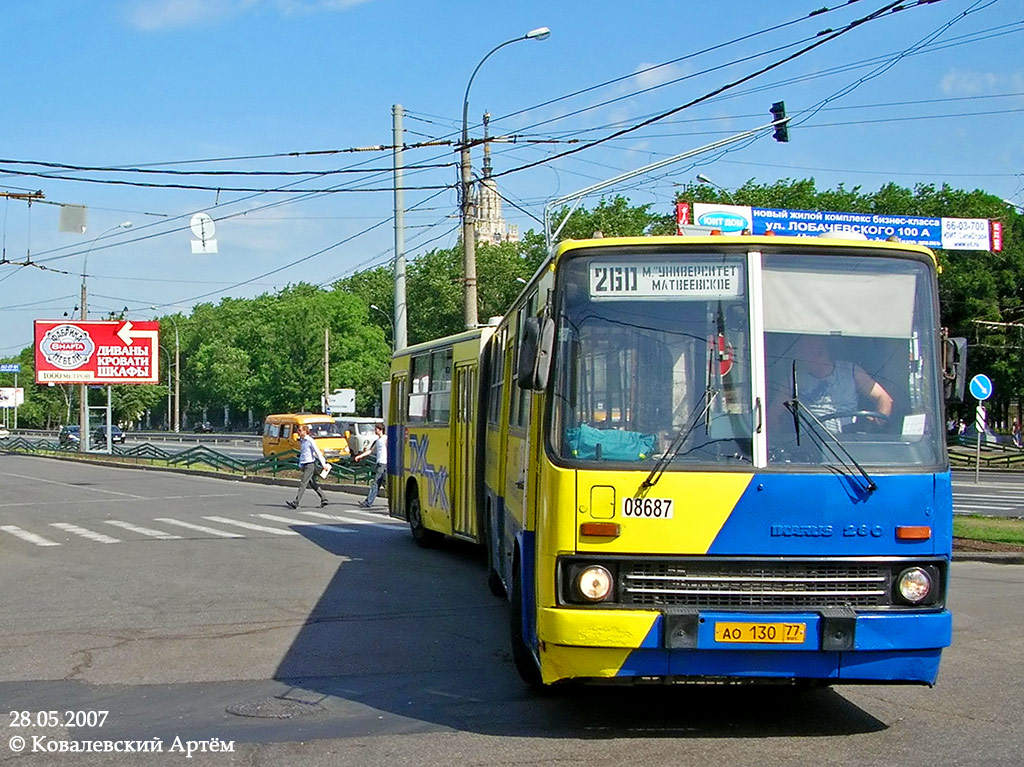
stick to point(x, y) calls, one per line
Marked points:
point(151, 15)
point(646, 77)
point(958, 83)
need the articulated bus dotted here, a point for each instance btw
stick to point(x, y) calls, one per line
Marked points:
point(697, 458)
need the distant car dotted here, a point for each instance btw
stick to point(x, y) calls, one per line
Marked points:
point(99, 436)
point(359, 431)
point(68, 436)
point(204, 428)
point(4, 433)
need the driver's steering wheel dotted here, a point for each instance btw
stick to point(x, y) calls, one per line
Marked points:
point(879, 420)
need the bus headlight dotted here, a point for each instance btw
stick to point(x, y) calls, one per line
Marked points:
point(594, 583)
point(914, 585)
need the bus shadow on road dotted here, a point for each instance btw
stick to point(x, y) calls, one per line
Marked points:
point(407, 640)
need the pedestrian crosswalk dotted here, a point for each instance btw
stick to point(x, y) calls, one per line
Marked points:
point(49, 534)
point(990, 496)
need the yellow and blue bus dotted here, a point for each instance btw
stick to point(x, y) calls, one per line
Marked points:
point(697, 458)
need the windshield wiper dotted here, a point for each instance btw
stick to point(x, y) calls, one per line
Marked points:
point(819, 432)
point(677, 444)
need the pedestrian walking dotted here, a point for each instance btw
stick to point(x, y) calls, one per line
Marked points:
point(1015, 431)
point(311, 457)
point(379, 449)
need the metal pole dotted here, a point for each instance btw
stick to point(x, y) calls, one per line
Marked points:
point(177, 380)
point(400, 339)
point(468, 224)
point(83, 389)
point(327, 367)
point(469, 313)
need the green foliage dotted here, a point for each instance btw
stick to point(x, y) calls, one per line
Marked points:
point(267, 353)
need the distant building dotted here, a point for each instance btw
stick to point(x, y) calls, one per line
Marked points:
point(490, 224)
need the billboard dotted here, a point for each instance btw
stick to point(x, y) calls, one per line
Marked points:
point(931, 231)
point(11, 397)
point(97, 352)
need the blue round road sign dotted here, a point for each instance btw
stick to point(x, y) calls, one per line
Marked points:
point(981, 387)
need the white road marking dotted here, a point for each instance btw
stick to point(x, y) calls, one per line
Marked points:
point(251, 526)
point(388, 523)
point(25, 535)
point(78, 487)
point(92, 536)
point(200, 528)
point(301, 523)
point(143, 530)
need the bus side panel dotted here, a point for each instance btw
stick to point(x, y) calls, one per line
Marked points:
point(428, 463)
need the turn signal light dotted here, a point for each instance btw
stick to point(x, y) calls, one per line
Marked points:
point(913, 532)
point(602, 529)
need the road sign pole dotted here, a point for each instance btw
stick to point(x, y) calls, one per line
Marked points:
point(979, 424)
point(981, 389)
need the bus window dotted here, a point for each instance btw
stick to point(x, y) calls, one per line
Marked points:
point(654, 371)
point(440, 386)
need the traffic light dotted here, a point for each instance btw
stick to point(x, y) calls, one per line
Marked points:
point(781, 128)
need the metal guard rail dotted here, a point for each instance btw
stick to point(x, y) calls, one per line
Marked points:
point(199, 456)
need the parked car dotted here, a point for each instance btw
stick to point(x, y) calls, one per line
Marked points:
point(359, 431)
point(99, 435)
point(67, 436)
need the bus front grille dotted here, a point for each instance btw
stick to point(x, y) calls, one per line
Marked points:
point(756, 585)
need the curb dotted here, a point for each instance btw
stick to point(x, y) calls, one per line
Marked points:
point(993, 557)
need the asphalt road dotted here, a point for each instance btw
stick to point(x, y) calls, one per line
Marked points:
point(204, 609)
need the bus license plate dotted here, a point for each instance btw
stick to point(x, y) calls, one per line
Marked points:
point(761, 633)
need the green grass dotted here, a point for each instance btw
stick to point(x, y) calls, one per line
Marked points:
point(992, 529)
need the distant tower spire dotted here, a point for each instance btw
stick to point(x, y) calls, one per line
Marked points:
point(487, 145)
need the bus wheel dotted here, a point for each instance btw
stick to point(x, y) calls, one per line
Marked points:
point(526, 665)
point(423, 537)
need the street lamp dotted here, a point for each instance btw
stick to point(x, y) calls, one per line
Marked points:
point(168, 353)
point(177, 375)
point(465, 165)
point(705, 180)
point(83, 389)
point(388, 318)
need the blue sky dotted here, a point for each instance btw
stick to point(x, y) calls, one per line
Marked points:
point(932, 94)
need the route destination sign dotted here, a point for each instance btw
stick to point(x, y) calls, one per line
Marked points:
point(97, 352)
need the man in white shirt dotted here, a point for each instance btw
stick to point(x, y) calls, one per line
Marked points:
point(310, 457)
point(379, 448)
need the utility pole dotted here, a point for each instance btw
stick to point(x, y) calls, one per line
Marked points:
point(400, 334)
point(327, 368)
point(469, 312)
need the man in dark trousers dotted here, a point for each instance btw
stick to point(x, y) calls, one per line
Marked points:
point(379, 448)
point(311, 457)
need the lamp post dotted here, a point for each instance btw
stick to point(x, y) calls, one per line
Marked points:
point(168, 353)
point(705, 180)
point(177, 375)
point(388, 318)
point(83, 389)
point(465, 165)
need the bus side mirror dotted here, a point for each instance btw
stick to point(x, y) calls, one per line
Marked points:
point(535, 353)
point(954, 368)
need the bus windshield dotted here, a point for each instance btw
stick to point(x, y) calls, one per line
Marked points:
point(643, 362)
point(655, 358)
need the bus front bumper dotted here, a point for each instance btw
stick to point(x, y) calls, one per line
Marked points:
point(836, 645)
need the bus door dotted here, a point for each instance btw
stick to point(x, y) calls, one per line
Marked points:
point(397, 419)
point(464, 447)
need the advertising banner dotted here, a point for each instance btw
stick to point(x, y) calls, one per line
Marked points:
point(11, 397)
point(932, 232)
point(97, 352)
